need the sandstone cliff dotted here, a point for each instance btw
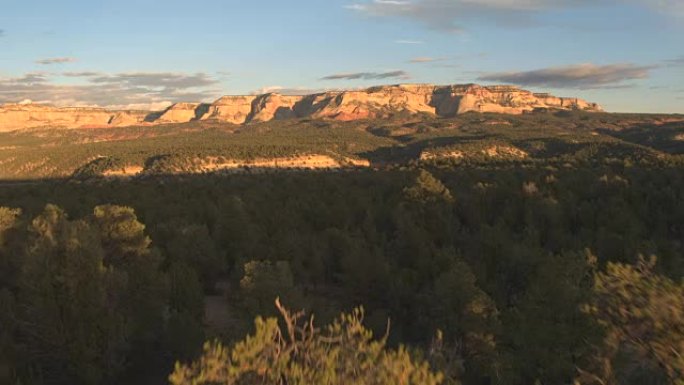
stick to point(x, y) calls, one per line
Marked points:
point(375, 102)
point(23, 116)
point(232, 109)
point(128, 118)
point(16, 116)
point(182, 113)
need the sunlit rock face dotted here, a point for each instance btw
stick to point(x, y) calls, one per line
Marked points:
point(17, 116)
point(23, 116)
point(181, 113)
point(371, 103)
point(232, 109)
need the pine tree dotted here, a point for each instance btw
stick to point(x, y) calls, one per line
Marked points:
point(343, 353)
point(643, 315)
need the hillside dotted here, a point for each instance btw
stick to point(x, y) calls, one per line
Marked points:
point(372, 103)
point(481, 239)
point(208, 146)
point(493, 232)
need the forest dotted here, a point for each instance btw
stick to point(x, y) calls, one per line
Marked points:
point(564, 267)
point(561, 136)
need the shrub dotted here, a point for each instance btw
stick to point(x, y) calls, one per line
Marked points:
point(345, 352)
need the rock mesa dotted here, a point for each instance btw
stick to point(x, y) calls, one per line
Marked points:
point(372, 103)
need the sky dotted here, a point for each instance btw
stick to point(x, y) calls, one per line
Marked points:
point(627, 55)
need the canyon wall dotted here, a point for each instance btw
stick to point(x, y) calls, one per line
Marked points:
point(372, 103)
point(23, 116)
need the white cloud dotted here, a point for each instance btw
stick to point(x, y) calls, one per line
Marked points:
point(85, 74)
point(409, 42)
point(368, 75)
point(294, 91)
point(677, 62)
point(56, 60)
point(581, 76)
point(450, 15)
point(154, 106)
point(673, 7)
point(142, 90)
point(447, 15)
point(426, 59)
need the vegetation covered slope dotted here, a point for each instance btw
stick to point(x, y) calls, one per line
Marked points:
point(493, 267)
point(179, 148)
point(374, 102)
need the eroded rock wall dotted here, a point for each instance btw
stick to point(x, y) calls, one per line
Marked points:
point(375, 102)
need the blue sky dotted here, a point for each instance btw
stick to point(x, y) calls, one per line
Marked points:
point(627, 55)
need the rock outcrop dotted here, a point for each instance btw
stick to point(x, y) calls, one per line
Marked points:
point(24, 116)
point(372, 103)
point(301, 162)
point(274, 106)
point(231, 109)
point(17, 116)
point(128, 118)
point(387, 101)
point(182, 113)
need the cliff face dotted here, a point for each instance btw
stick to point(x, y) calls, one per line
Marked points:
point(385, 101)
point(16, 116)
point(20, 116)
point(232, 109)
point(182, 113)
point(375, 102)
point(273, 106)
point(128, 118)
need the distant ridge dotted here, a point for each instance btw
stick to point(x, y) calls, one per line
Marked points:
point(371, 103)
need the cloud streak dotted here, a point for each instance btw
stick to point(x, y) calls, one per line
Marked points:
point(451, 15)
point(84, 74)
point(166, 80)
point(294, 91)
point(425, 59)
point(673, 7)
point(448, 15)
point(677, 62)
point(109, 90)
point(582, 76)
point(411, 42)
point(368, 76)
point(56, 60)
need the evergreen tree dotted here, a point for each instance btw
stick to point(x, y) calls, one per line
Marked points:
point(263, 281)
point(643, 315)
point(427, 188)
point(343, 353)
point(69, 324)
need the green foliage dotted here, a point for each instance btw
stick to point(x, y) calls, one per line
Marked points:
point(345, 352)
point(184, 329)
point(469, 319)
point(264, 281)
point(547, 331)
point(67, 325)
point(7, 328)
point(9, 263)
point(123, 236)
point(575, 137)
point(193, 246)
point(499, 273)
point(8, 219)
point(643, 314)
point(330, 241)
point(87, 299)
point(127, 248)
point(170, 149)
point(427, 188)
point(98, 167)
